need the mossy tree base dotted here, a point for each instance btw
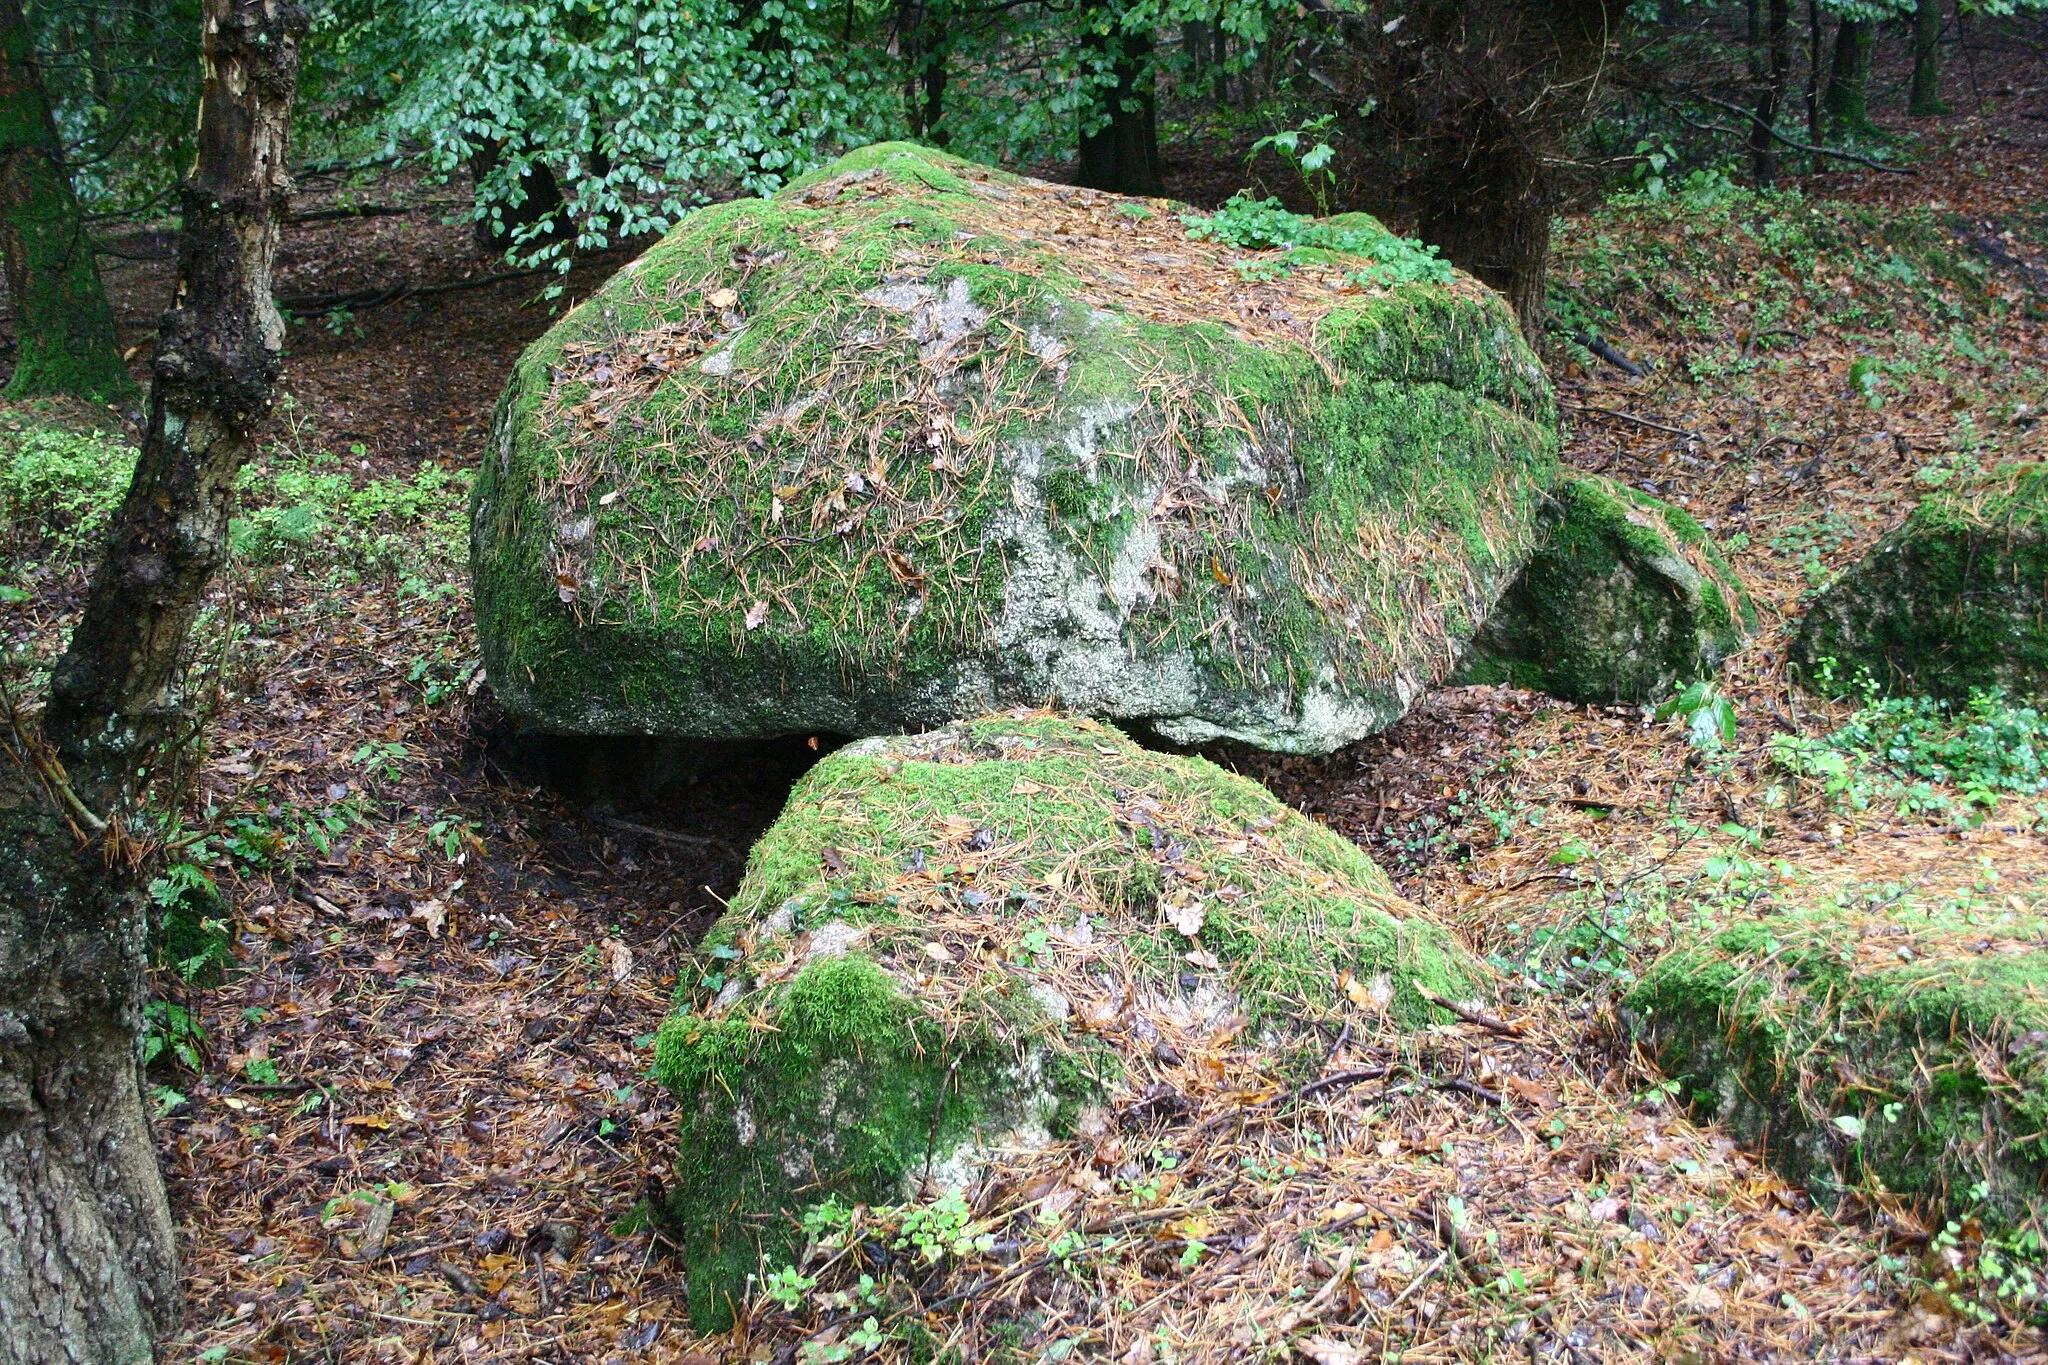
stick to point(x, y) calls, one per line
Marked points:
point(1626, 598)
point(1889, 1052)
point(957, 942)
point(1954, 600)
point(880, 452)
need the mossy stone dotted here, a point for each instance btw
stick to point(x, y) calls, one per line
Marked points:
point(1626, 598)
point(901, 445)
point(1954, 600)
point(1896, 1051)
point(958, 942)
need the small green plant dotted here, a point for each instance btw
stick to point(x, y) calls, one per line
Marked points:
point(456, 837)
point(789, 1287)
point(1709, 717)
point(941, 1228)
point(192, 923)
point(1315, 164)
point(383, 758)
point(170, 1030)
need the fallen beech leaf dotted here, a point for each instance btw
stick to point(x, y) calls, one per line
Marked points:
point(1326, 1351)
point(431, 913)
point(376, 1121)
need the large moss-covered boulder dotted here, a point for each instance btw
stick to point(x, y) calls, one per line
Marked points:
point(1626, 598)
point(1954, 600)
point(1890, 1048)
point(959, 942)
point(916, 438)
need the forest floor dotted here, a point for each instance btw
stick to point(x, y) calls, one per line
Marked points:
point(420, 1104)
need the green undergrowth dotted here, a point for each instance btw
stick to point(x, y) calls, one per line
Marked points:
point(1930, 757)
point(63, 472)
point(971, 933)
point(785, 445)
point(1875, 1041)
point(1786, 267)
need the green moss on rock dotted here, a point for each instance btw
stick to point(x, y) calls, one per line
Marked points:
point(883, 451)
point(1896, 1050)
point(1954, 600)
point(1626, 597)
point(959, 941)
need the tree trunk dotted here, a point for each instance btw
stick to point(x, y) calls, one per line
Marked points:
point(1849, 79)
point(923, 38)
point(1488, 211)
point(535, 220)
point(1122, 154)
point(1926, 98)
point(1763, 146)
point(63, 328)
point(1815, 131)
point(88, 1268)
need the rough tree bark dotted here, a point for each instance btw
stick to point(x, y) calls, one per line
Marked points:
point(1122, 154)
point(63, 328)
point(924, 37)
point(1763, 147)
point(1490, 213)
point(88, 1266)
point(1849, 79)
point(1815, 130)
point(1926, 97)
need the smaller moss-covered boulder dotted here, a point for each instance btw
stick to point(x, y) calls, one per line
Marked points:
point(1954, 600)
point(1892, 1049)
point(1626, 598)
point(958, 942)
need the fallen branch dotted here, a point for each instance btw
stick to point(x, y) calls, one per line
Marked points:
point(1793, 143)
point(1601, 347)
point(667, 836)
point(1634, 420)
point(304, 305)
point(1467, 1013)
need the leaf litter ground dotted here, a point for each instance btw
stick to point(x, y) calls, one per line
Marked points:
point(471, 1023)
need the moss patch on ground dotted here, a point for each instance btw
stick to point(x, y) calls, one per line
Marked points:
point(959, 941)
point(1875, 1045)
point(1626, 597)
point(916, 437)
point(1954, 600)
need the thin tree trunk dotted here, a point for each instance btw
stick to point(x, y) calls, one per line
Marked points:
point(1847, 100)
point(1815, 131)
point(927, 52)
point(88, 1266)
point(1926, 98)
point(1123, 153)
point(1763, 147)
point(64, 330)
